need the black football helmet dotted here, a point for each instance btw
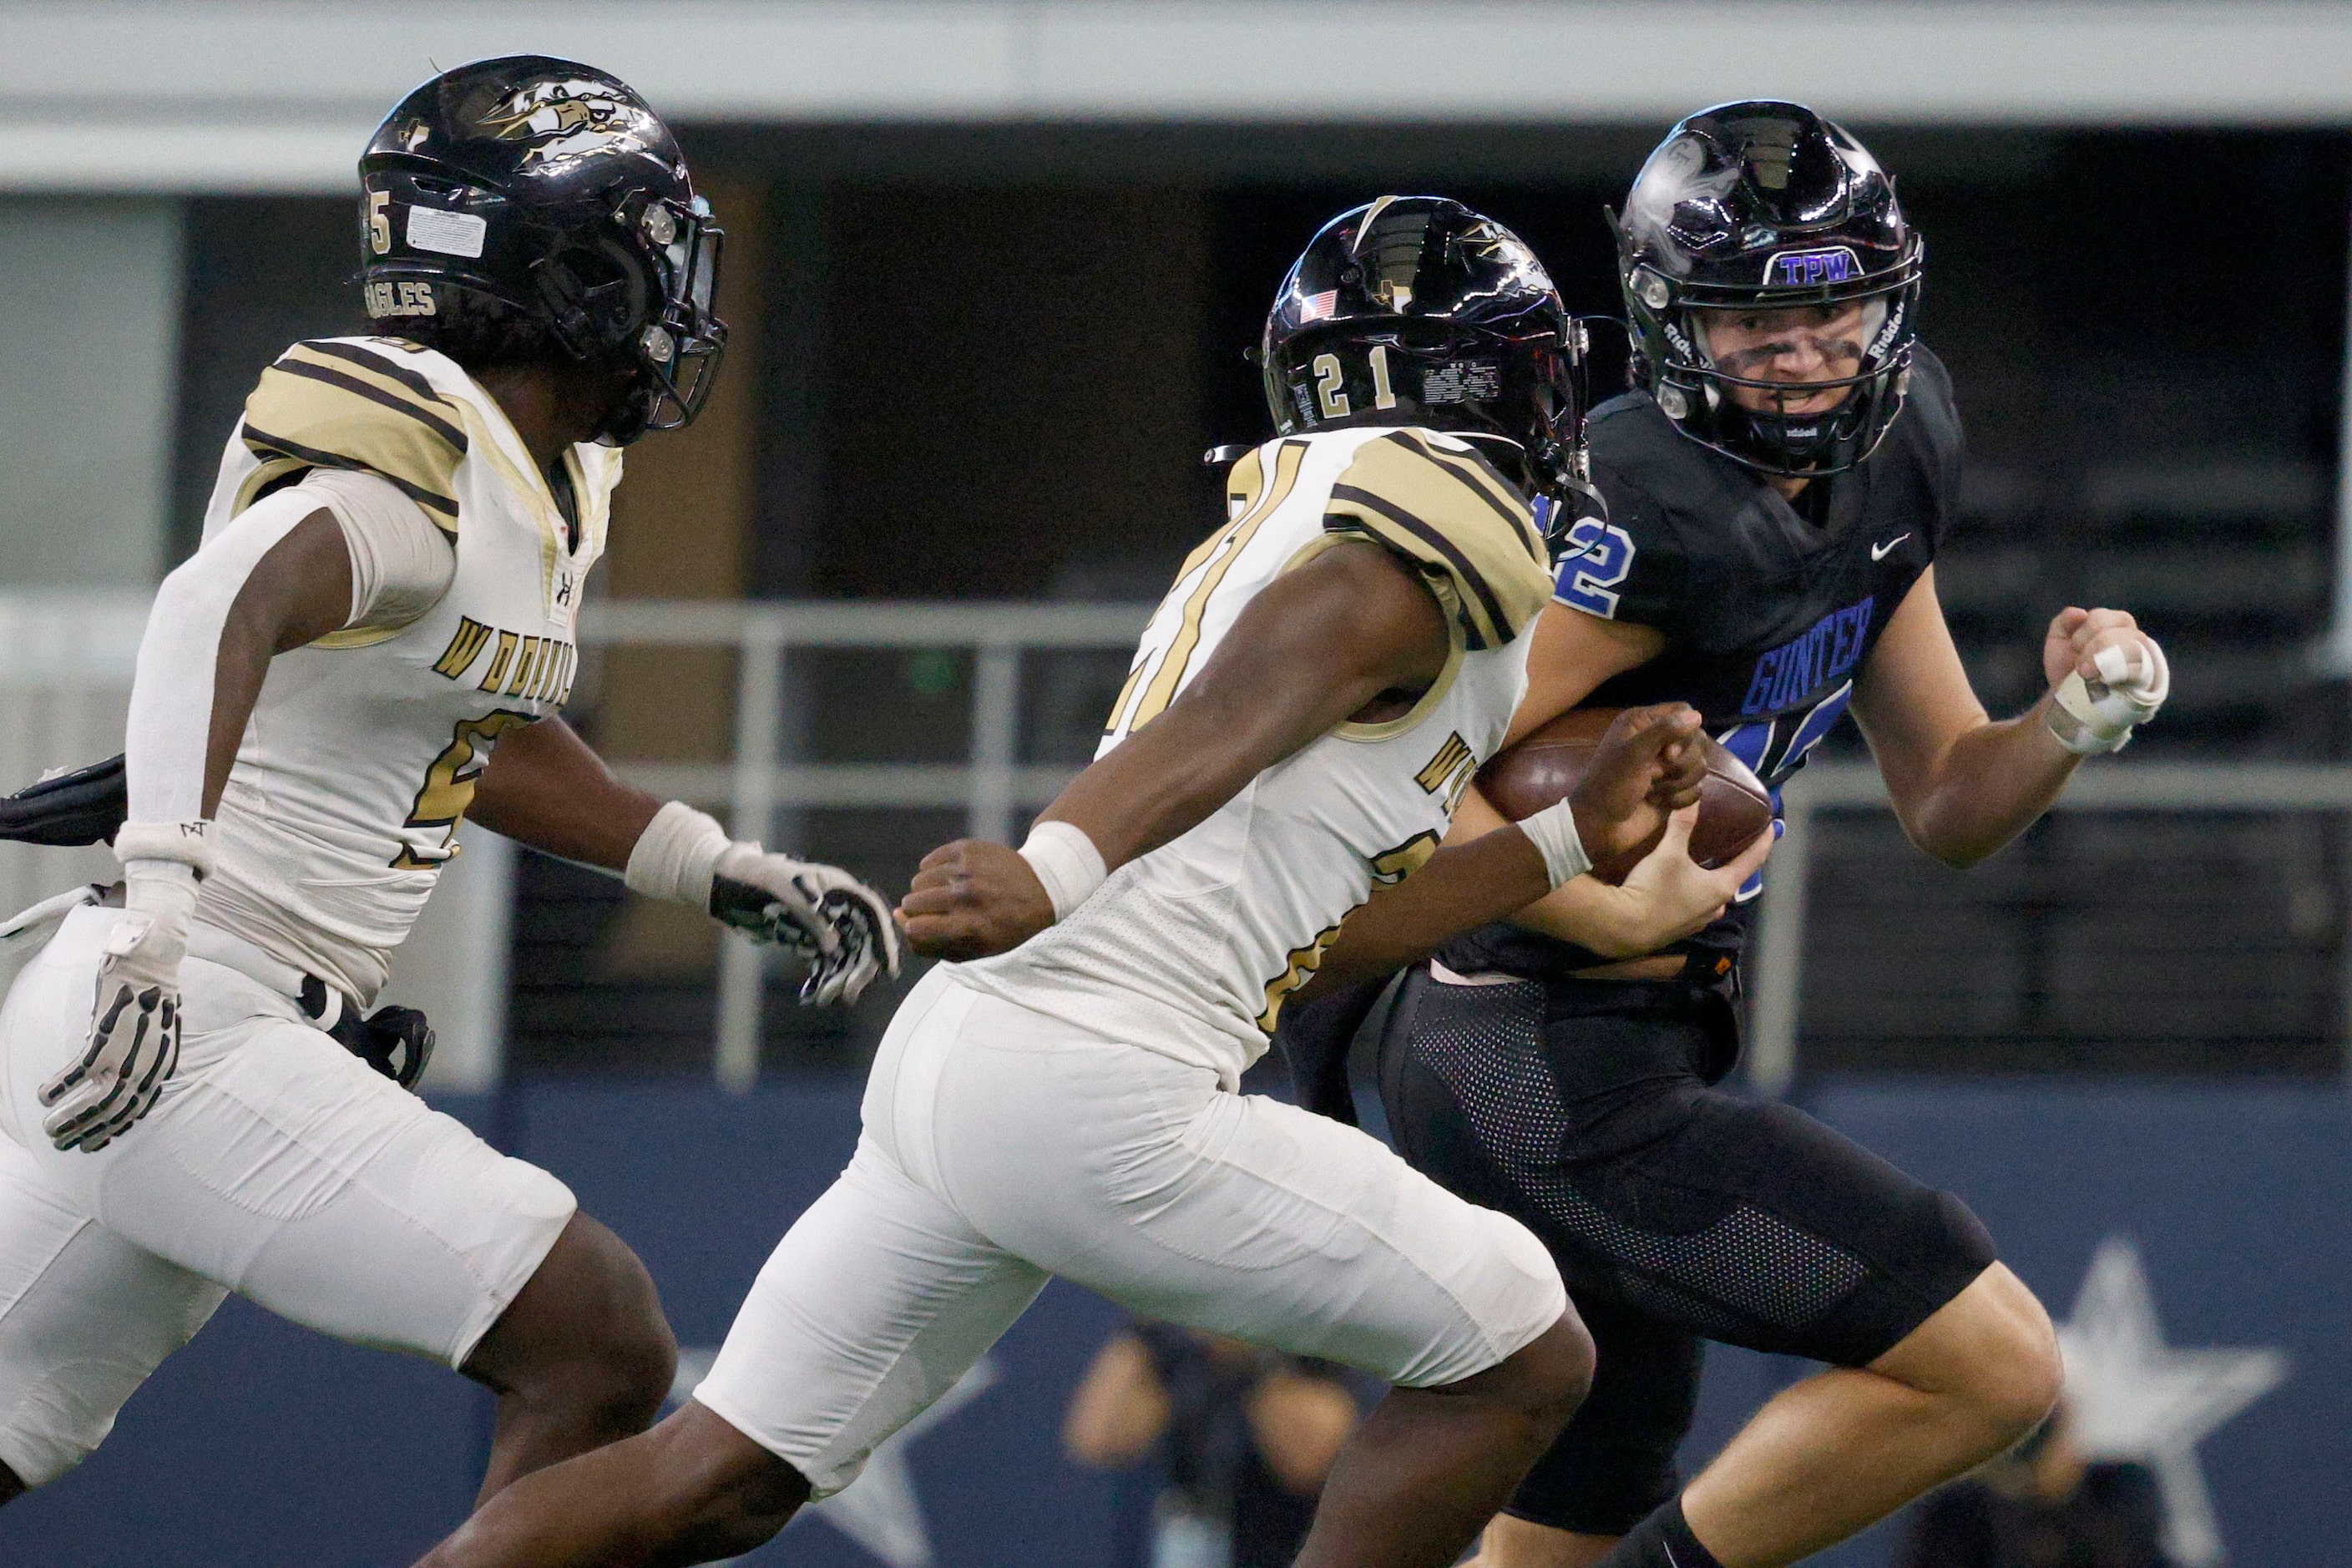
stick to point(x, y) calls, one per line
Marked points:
point(1762, 206)
point(545, 195)
point(1416, 310)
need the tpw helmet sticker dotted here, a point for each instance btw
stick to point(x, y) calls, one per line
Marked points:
point(1811, 269)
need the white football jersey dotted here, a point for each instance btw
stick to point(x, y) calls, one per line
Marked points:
point(364, 749)
point(1191, 949)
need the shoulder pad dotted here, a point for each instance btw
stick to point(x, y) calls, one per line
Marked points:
point(1465, 527)
point(344, 402)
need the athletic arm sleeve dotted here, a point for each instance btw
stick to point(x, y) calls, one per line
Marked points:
point(402, 562)
point(401, 566)
point(172, 687)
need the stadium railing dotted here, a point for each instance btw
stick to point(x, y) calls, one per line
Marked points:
point(992, 786)
point(66, 660)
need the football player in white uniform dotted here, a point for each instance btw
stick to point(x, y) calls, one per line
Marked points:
point(385, 592)
point(1308, 704)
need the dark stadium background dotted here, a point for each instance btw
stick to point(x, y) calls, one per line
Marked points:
point(984, 366)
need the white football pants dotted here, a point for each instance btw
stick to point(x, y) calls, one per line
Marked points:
point(1001, 1146)
point(277, 1164)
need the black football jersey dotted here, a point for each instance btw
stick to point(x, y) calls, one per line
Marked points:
point(1769, 608)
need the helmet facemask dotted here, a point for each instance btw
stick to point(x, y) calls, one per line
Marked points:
point(638, 295)
point(1677, 362)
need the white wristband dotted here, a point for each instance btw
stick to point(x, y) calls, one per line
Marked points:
point(1066, 862)
point(1553, 832)
point(676, 855)
point(188, 843)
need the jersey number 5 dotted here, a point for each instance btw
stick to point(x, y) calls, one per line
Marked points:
point(1598, 558)
point(450, 785)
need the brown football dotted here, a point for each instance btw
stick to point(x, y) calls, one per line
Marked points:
point(1734, 807)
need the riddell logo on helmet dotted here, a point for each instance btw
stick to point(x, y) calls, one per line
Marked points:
point(1805, 269)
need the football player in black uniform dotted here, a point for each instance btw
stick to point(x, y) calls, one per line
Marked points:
point(1776, 487)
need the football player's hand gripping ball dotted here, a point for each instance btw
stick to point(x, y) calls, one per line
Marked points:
point(2106, 678)
point(133, 1044)
point(837, 924)
point(1648, 765)
point(1676, 897)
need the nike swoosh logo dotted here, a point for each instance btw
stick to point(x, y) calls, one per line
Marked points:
point(1880, 551)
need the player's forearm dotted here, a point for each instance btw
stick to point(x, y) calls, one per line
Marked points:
point(1460, 888)
point(1167, 778)
point(1991, 783)
point(545, 787)
point(1600, 919)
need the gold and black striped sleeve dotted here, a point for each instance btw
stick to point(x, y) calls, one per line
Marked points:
point(1460, 523)
point(332, 404)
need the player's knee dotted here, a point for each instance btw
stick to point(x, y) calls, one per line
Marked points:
point(2019, 1382)
point(633, 1359)
point(1547, 1378)
point(596, 1338)
point(1992, 1351)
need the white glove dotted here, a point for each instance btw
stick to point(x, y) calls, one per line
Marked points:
point(134, 1034)
point(839, 924)
point(2099, 715)
point(841, 927)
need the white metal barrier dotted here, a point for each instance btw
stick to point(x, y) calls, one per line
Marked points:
point(1776, 966)
point(992, 787)
point(65, 671)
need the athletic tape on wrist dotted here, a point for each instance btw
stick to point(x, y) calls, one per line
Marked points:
point(676, 855)
point(1553, 832)
point(1066, 862)
point(164, 889)
point(188, 843)
point(2075, 721)
point(2091, 716)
